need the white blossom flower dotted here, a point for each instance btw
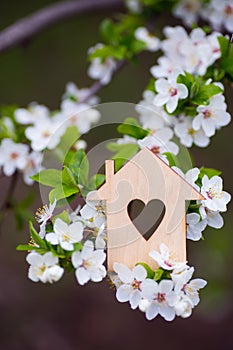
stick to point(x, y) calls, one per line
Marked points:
point(44, 268)
point(78, 114)
point(135, 6)
point(151, 42)
point(130, 289)
point(74, 93)
point(219, 13)
point(13, 156)
point(93, 211)
point(215, 198)
point(194, 226)
point(213, 218)
point(169, 92)
point(32, 167)
point(175, 37)
point(151, 116)
point(183, 307)
point(188, 11)
point(166, 66)
point(80, 144)
point(34, 112)
point(159, 142)
point(187, 135)
point(191, 176)
point(100, 70)
point(45, 133)
point(89, 264)
point(190, 289)
point(44, 214)
point(162, 298)
point(166, 259)
point(65, 235)
point(213, 116)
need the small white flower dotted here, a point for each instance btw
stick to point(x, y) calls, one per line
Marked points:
point(130, 289)
point(190, 289)
point(166, 259)
point(65, 235)
point(100, 70)
point(191, 176)
point(183, 307)
point(13, 156)
point(44, 268)
point(213, 218)
point(194, 226)
point(162, 299)
point(159, 142)
point(93, 211)
point(30, 115)
point(73, 92)
point(212, 116)
point(151, 116)
point(135, 6)
point(78, 114)
point(188, 11)
point(219, 13)
point(187, 135)
point(45, 133)
point(32, 167)
point(175, 37)
point(44, 214)
point(151, 42)
point(215, 198)
point(166, 66)
point(89, 264)
point(80, 144)
point(169, 92)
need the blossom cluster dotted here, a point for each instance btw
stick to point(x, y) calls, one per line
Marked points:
point(167, 291)
point(218, 13)
point(74, 240)
point(42, 129)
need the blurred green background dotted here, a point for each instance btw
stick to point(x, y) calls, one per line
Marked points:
point(65, 315)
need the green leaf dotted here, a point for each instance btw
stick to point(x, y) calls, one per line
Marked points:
point(25, 247)
point(36, 238)
point(50, 177)
point(224, 45)
point(107, 51)
point(108, 31)
point(186, 79)
point(158, 274)
point(79, 165)
point(209, 172)
point(204, 94)
point(96, 181)
point(62, 191)
point(68, 177)
point(67, 140)
point(124, 154)
point(132, 128)
point(172, 159)
point(64, 216)
point(150, 272)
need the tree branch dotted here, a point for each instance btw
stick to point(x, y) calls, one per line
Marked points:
point(26, 28)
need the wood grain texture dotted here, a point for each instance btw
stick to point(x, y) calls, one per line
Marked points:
point(144, 177)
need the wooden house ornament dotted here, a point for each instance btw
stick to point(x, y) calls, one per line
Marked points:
point(145, 178)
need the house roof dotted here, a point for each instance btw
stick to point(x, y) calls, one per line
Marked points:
point(150, 165)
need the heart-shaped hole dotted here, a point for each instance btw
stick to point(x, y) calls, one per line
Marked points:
point(146, 218)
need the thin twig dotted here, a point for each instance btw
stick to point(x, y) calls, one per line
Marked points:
point(26, 28)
